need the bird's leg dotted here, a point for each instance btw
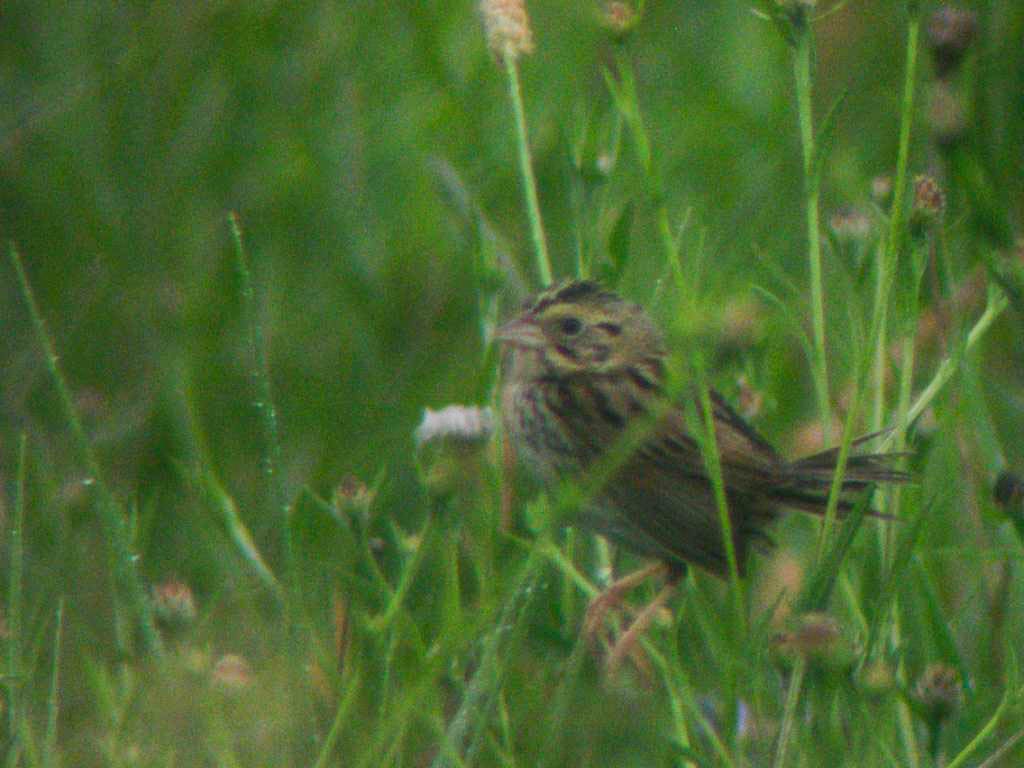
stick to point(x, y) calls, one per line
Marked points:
point(626, 645)
point(612, 597)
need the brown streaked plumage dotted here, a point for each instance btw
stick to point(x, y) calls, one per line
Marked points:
point(582, 365)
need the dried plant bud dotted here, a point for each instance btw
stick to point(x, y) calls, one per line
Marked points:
point(877, 678)
point(174, 607)
point(462, 424)
point(754, 729)
point(950, 33)
point(449, 444)
point(947, 116)
point(1009, 489)
point(817, 637)
point(783, 579)
point(881, 189)
point(352, 496)
point(938, 691)
point(850, 225)
point(929, 202)
point(751, 400)
point(231, 673)
point(809, 436)
point(619, 18)
point(508, 27)
point(742, 322)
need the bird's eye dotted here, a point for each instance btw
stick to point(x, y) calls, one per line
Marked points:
point(570, 326)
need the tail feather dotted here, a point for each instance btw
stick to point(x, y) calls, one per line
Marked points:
point(863, 468)
point(810, 478)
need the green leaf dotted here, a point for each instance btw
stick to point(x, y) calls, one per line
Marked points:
point(826, 134)
point(618, 244)
point(818, 589)
point(901, 559)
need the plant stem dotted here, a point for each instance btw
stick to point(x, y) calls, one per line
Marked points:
point(893, 242)
point(802, 70)
point(712, 461)
point(264, 402)
point(115, 532)
point(467, 728)
point(540, 247)
point(624, 93)
point(789, 714)
point(996, 304)
point(16, 551)
point(52, 706)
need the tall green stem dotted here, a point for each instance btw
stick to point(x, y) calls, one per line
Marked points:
point(624, 93)
point(796, 681)
point(890, 252)
point(264, 402)
point(803, 61)
point(887, 277)
point(540, 247)
point(126, 575)
point(16, 551)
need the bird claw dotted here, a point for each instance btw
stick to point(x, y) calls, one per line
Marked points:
point(628, 643)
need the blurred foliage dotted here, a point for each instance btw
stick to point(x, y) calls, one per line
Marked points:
point(366, 149)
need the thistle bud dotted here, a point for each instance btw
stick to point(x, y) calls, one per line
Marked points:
point(507, 26)
point(352, 497)
point(938, 691)
point(850, 225)
point(817, 637)
point(174, 607)
point(946, 115)
point(619, 19)
point(1009, 495)
point(950, 33)
point(929, 203)
point(449, 443)
point(231, 673)
point(877, 679)
point(1009, 489)
point(881, 189)
point(751, 400)
point(464, 425)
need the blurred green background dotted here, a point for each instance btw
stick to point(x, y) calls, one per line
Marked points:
point(357, 141)
point(131, 129)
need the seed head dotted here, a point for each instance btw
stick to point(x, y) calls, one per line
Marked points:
point(1009, 489)
point(751, 400)
point(619, 18)
point(881, 188)
point(450, 443)
point(947, 116)
point(457, 424)
point(929, 202)
point(877, 679)
point(174, 607)
point(232, 673)
point(850, 224)
point(352, 496)
point(742, 322)
point(950, 33)
point(507, 26)
point(817, 637)
point(938, 691)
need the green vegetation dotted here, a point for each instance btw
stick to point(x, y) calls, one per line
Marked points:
point(245, 245)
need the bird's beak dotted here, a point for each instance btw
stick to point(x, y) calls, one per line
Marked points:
point(521, 332)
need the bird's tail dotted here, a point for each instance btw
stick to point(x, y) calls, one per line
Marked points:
point(810, 478)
